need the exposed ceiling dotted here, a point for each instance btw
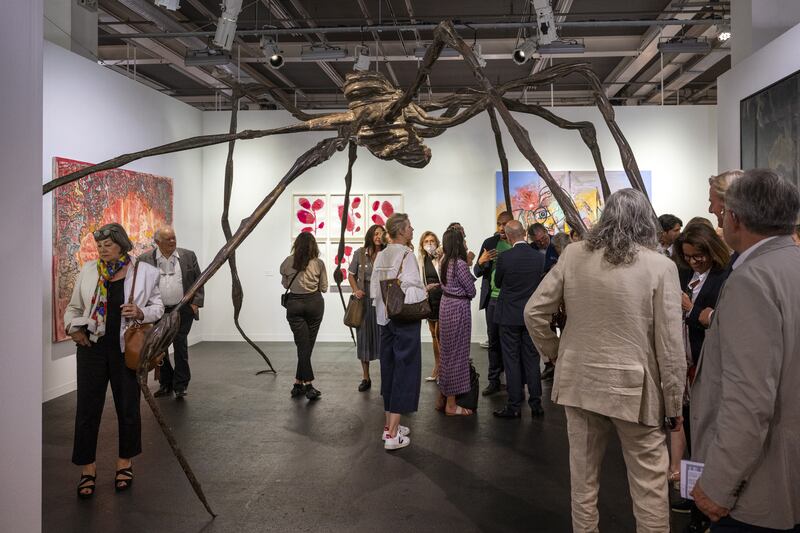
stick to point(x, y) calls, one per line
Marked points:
point(620, 37)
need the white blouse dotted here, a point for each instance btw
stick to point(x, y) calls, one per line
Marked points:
point(386, 266)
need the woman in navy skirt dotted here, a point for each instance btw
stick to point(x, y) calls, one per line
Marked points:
point(401, 352)
point(455, 322)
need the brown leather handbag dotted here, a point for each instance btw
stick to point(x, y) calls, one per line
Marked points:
point(394, 298)
point(354, 314)
point(136, 334)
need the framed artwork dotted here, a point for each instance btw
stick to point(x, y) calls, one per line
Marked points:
point(770, 129)
point(357, 222)
point(333, 250)
point(140, 202)
point(532, 201)
point(381, 206)
point(310, 214)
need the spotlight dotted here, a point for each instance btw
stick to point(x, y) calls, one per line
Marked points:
point(270, 50)
point(362, 58)
point(546, 21)
point(525, 51)
point(724, 32)
point(226, 26)
point(171, 5)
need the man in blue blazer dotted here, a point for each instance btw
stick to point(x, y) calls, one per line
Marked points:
point(484, 268)
point(518, 273)
point(543, 243)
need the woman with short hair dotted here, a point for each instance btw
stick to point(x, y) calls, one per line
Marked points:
point(96, 318)
point(303, 275)
point(401, 352)
point(429, 253)
point(359, 275)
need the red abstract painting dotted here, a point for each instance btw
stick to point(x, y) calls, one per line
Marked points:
point(382, 206)
point(346, 258)
point(309, 215)
point(355, 226)
point(140, 202)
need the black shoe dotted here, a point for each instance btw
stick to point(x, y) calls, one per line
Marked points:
point(697, 526)
point(492, 388)
point(312, 393)
point(298, 390)
point(549, 371)
point(87, 483)
point(682, 505)
point(123, 483)
point(365, 385)
point(506, 412)
point(537, 411)
point(163, 391)
point(180, 393)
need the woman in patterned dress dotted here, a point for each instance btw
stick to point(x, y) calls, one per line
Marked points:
point(368, 345)
point(455, 322)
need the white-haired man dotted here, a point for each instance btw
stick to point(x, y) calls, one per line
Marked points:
point(178, 270)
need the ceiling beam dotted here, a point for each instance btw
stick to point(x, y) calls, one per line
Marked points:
point(698, 68)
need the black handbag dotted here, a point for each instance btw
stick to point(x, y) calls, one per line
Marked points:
point(394, 299)
point(285, 295)
point(469, 399)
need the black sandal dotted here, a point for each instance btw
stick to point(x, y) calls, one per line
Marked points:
point(123, 484)
point(85, 478)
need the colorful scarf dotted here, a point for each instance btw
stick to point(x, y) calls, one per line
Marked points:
point(105, 271)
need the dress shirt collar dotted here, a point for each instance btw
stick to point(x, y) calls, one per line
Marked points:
point(159, 255)
point(744, 255)
point(521, 242)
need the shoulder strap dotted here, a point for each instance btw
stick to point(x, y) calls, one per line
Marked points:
point(403, 260)
point(290, 283)
point(133, 285)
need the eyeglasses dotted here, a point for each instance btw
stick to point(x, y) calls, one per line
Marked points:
point(700, 258)
point(102, 234)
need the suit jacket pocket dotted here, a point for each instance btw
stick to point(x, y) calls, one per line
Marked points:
point(611, 389)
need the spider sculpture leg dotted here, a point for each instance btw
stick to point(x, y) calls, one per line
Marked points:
point(237, 294)
point(501, 153)
point(445, 35)
point(162, 334)
point(348, 182)
point(550, 74)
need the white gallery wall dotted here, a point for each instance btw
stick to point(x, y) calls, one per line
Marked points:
point(770, 64)
point(677, 144)
point(91, 114)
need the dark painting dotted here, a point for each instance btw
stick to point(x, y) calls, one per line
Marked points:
point(770, 129)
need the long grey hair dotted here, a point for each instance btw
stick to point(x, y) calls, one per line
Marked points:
point(627, 224)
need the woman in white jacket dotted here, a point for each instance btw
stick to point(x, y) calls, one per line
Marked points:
point(96, 318)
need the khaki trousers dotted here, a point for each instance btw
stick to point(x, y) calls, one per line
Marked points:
point(645, 451)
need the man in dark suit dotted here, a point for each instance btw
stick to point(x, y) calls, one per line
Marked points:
point(542, 242)
point(484, 269)
point(178, 269)
point(518, 273)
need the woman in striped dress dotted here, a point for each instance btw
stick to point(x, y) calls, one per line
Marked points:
point(368, 339)
point(455, 322)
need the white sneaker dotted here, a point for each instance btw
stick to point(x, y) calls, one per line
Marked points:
point(484, 345)
point(401, 430)
point(400, 441)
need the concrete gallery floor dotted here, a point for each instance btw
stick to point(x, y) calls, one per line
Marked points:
point(271, 463)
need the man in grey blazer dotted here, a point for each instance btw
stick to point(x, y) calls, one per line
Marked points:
point(178, 270)
point(746, 396)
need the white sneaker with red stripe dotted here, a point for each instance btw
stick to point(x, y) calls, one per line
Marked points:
point(401, 430)
point(395, 443)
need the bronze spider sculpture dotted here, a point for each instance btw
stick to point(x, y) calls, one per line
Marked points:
point(385, 121)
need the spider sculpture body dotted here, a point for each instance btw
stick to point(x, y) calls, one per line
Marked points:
point(385, 121)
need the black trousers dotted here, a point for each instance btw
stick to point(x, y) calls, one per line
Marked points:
point(97, 365)
point(178, 377)
point(730, 525)
point(521, 361)
point(304, 313)
point(495, 350)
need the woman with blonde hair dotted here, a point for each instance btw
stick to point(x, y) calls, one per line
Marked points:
point(401, 352)
point(359, 276)
point(717, 186)
point(428, 260)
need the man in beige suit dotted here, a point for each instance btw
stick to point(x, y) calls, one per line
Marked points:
point(746, 396)
point(620, 362)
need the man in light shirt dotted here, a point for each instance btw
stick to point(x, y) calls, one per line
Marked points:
point(178, 270)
